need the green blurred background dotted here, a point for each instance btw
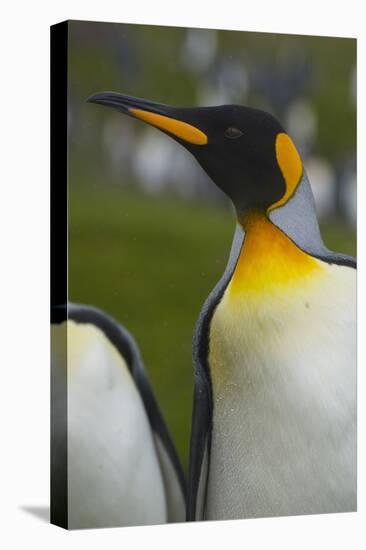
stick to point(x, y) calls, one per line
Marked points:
point(149, 234)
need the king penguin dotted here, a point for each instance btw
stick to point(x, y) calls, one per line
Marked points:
point(274, 415)
point(122, 467)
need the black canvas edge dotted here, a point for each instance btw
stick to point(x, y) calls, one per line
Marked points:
point(58, 268)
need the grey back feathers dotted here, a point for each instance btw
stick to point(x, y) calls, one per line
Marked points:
point(297, 219)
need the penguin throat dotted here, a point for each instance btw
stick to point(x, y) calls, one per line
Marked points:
point(268, 259)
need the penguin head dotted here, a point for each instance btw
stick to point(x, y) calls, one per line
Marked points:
point(245, 151)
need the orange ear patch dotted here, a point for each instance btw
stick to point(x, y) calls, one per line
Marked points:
point(290, 165)
point(178, 128)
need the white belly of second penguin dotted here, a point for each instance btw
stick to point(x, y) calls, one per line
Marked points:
point(283, 373)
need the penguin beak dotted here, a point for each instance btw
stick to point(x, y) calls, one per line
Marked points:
point(170, 120)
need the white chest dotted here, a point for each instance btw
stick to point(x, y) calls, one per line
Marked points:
point(283, 372)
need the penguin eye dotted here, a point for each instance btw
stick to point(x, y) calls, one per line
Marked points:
point(233, 133)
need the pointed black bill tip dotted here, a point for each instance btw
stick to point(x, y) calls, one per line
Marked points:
point(124, 102)
point(110, 99)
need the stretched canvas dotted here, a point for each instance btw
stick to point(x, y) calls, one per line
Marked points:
point(203, 279)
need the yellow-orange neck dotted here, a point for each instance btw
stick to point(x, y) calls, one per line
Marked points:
point(269, 259)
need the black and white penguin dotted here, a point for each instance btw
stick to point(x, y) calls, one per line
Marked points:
point(274, 417)
point(121, 465)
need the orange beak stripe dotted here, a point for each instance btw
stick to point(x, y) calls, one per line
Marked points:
point(175, 127)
